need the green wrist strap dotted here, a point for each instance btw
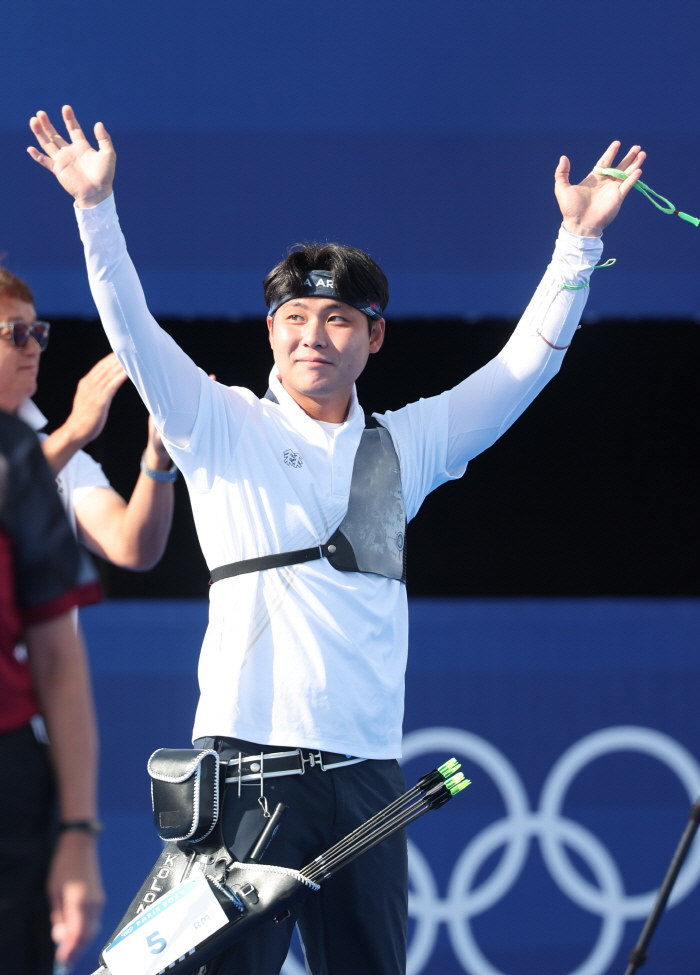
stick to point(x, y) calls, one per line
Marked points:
point(650, 194)
point(580, 287)
point(574, 287)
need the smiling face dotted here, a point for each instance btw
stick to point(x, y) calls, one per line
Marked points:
point(321, 346)
point(19, 368)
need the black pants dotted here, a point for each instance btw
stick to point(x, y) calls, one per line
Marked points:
point(26, 841)
point(357, 923)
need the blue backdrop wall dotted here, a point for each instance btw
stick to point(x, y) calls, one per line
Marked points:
point(425, 133)
point(576, 721)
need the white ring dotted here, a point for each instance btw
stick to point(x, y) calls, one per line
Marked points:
point(586, 845)
point(606, 742)
point(606, 898)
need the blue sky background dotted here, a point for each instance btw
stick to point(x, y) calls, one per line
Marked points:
point(424, 133)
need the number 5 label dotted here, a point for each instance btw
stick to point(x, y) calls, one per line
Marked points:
point(155, 943)
point(169, 929)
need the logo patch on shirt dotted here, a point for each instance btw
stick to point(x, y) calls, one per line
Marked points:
point(293, 459)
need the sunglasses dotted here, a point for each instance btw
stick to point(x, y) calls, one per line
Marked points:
point(20, 332)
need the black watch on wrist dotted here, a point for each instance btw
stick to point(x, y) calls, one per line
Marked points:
point(91, 826)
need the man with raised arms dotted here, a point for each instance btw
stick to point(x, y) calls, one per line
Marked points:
point(308, 630)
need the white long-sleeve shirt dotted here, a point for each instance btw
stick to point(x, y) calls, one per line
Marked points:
point(306, 655)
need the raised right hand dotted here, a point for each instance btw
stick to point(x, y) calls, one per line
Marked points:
point(87, 174)
point(93, 398)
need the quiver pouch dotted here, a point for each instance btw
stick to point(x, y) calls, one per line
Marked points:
point(252, 894)
point(184, 792)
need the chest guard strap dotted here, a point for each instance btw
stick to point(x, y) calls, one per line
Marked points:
point(372, 535)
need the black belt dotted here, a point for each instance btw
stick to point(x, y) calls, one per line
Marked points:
point(271, 562)
point(270, 765)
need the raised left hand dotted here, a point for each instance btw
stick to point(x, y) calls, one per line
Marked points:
point(157, 457)
point(591, 205)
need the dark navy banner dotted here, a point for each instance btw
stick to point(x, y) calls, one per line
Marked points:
point(577, 722)
point(426, 133)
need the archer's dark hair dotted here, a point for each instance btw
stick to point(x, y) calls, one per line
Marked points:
point(355, 275)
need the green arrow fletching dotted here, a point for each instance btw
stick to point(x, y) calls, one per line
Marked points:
point(456, 783)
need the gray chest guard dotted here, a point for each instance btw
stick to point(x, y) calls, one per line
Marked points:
point(372, 535)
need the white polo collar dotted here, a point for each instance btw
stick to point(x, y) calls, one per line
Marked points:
point(302, 421)
point(30, 414)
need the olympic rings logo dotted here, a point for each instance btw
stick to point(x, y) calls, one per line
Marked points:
point(606, 898)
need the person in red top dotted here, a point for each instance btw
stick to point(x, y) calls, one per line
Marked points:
point(50, 888)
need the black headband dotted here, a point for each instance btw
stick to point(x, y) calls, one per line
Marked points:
point(319, 284)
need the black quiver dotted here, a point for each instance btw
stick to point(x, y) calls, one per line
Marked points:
point(185, 786)
point(185, 789)
point(262, 892)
